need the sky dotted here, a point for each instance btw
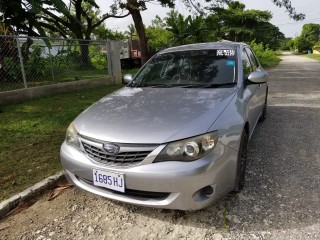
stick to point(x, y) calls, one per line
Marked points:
point(280, 18)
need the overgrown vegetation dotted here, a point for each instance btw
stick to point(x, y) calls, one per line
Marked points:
point(42, 67)
point(267, 57)
point(31, 135)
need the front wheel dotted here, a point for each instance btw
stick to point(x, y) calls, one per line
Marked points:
point(241, 163)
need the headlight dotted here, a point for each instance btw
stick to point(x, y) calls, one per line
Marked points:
point(72, 136)
point(188, 149)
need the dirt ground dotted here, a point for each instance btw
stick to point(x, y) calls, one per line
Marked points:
point(280, 200)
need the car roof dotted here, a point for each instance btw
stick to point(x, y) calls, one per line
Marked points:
point(205, 46)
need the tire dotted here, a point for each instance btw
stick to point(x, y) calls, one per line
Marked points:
point(241, 163)
point(264, 111)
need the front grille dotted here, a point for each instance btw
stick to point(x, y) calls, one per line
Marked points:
point(121, 158)
point(131, 192)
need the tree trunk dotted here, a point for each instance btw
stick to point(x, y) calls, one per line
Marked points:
point(134, 10)
point(84, 50)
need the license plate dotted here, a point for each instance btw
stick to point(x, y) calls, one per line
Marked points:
point(110, 180)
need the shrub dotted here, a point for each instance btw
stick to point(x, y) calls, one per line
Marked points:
point(68, 59)
point(267, 57)
point(36, 66)
point(11, 68)
point(98, 59)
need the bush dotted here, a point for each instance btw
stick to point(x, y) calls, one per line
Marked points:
point(36, 66)
point(97, 58)
point(267, 57)
point(317, 46)
point(68, 59)
point(11, 68)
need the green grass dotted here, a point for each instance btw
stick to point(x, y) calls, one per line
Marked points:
point(313, 56)
point(31, 135)
point(130, 71)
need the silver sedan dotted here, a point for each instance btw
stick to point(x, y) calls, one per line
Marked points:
point(176, 135)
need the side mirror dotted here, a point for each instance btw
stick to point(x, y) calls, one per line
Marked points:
point(258, 77)
point(127, 78)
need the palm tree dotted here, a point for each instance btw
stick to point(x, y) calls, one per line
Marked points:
point(131, 31)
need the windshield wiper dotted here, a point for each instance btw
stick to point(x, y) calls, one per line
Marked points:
point(209, 85)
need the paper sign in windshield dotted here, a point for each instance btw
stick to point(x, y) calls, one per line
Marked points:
point(226, 52)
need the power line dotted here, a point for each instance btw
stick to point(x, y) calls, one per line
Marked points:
point(296, 23)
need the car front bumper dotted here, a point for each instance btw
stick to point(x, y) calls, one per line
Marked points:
point(171, 184)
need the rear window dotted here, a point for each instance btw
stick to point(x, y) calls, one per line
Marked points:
point(190, 67)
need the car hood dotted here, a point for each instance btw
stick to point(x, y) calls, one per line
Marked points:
point(153, 115)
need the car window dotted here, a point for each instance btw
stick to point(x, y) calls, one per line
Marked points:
point(253, 59)
point(189, 67)
point(247, 68)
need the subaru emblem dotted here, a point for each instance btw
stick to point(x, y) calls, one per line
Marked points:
point(111, 148)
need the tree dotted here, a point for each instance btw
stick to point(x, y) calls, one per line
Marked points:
point(179, 27)
point(134, 7)
point(22, 15)
point(37, 18)
point(234, 23)
point(186, 30)
point(158, 36)
point(103, 33)
point(290, 9)
point(28, 15)
point(131, 32)
point(302, 44)
point(311, 32)
point(80, 22)
point(269, 34)
point(287, 44)
point(308, 38)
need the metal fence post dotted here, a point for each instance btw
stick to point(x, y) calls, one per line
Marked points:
point(50, 58)
point(21, 63)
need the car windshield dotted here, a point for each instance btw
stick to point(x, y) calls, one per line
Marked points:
point(197, 68)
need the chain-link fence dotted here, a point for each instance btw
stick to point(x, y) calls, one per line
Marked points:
point(30, 61)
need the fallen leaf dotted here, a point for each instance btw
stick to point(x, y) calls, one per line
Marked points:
point(58, 190)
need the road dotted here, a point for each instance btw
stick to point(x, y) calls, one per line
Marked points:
point(280, 199)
